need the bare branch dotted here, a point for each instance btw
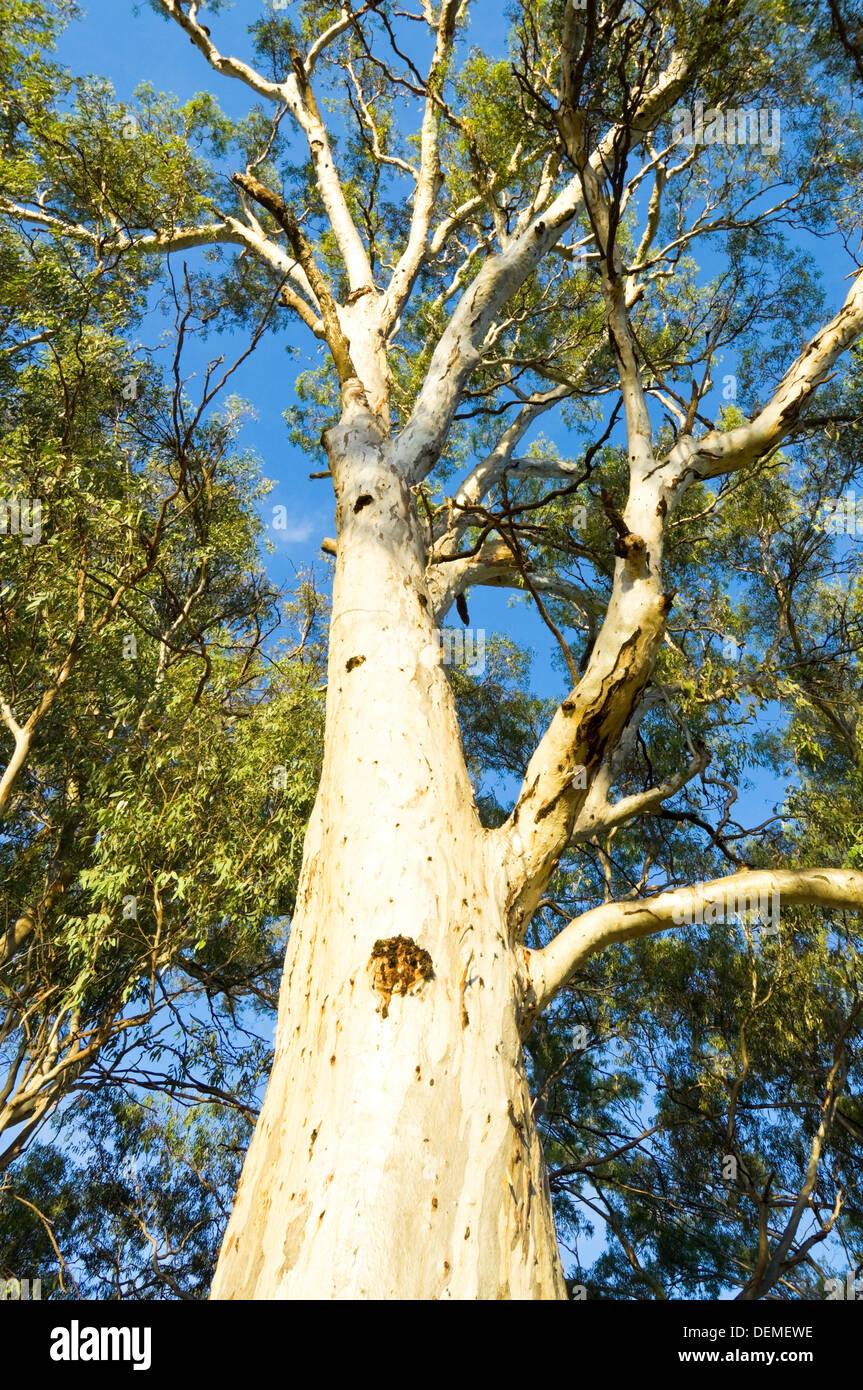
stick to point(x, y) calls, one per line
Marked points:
point(459, 348)
point(296, 94)
point(598, 816)
point(429, 180)
point(336, 339)
point(723, 451)
point(553, 966)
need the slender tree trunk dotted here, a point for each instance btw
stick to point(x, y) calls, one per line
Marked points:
point(395, 1155)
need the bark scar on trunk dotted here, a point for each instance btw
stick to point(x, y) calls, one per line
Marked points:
point(396, 965)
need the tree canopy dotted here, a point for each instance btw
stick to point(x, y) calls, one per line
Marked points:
point(564, 306)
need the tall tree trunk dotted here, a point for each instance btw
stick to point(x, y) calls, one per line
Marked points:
point(395, 1155)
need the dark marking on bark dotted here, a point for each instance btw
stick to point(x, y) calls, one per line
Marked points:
point(590, 739)
point(550, 805)
point(353, 662)
point(465, 1020)
point(364, 501)
point(312, 1141)
point(662, 507)
point(434, 1203)
point(516, 1123)
point(527, 796)
point(423, 600)
point(631, 548)
point(397, 964)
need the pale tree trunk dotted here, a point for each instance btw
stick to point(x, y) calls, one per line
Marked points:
point(395, 1154)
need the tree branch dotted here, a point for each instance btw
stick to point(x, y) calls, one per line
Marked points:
point(722, 451)
point(335, 335)
point(459, 348)
point(596, 819)
point(554, 965)
point(429, 181)
point(296, 94)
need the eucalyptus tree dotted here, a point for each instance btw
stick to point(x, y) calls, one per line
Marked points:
point(152, 678)
point(144, 723)
point(481, 238)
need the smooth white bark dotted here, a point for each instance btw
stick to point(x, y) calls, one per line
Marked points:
point(395, 1155)
point(553, 966)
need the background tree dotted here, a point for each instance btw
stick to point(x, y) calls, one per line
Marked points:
point(157, 754)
